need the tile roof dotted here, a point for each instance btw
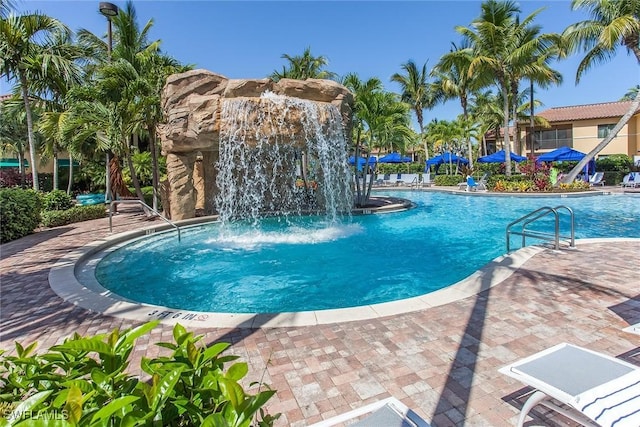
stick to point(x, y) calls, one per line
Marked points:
point(585, 112)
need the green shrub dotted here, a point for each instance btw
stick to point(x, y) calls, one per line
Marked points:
point(615, 162)
point(84, 382)
point(75, 214)
point(19, 213)
point(447, 180)
point(57, 200)
point(415, 167)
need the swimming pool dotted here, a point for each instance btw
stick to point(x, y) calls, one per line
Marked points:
point(307, 264)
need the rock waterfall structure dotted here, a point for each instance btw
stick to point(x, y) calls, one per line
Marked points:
point(248, 148)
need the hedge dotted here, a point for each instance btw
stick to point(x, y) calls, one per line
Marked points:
point(75, 214)
point(19, 213)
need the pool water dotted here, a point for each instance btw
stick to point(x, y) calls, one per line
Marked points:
point(307, 264)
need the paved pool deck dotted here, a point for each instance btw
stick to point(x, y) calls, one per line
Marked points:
point(442, 361)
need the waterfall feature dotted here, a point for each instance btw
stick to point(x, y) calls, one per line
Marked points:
point(263, 169)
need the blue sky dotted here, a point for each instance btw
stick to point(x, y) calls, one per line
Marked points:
point(246, 39)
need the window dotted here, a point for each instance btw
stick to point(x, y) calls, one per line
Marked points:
point(550, 139)
point(603, 130)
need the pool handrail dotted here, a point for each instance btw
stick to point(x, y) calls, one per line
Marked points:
point(140, 202)
point(535, 215)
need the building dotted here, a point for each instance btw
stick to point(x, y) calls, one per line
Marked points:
point(582, 127)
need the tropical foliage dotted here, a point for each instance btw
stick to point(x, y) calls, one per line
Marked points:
point(84, 381)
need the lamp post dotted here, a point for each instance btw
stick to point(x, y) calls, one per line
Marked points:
point(109, 10)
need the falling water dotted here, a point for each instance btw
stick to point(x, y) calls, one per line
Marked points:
point(263, 169)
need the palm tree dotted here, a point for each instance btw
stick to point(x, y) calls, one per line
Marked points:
point(23, 57)
point(417, 92)
point(612, 23)
point(362, 92)
point(453, 79)
point(509, 50)
point(305, 66)
point(485, 109)
point(631, 94)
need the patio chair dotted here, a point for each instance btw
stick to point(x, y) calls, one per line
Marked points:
point(593, 388)
point(388, 412)
point(596, 179)
point(472, 185)
point(629, 180)
point(426, 179)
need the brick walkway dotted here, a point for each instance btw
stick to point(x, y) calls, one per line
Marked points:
point(442, 362)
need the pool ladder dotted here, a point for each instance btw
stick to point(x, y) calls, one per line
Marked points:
point(550, 237)
point(139, 202)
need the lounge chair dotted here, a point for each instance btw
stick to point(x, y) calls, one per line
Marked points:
point(596, 179)
point(426, 179)
point(389, 412)
point(596, 389)
point(631, 179)
point(472, 185)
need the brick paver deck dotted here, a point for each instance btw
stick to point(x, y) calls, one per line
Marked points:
point(442, 361)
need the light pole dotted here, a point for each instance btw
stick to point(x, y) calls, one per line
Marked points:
point(109, 10)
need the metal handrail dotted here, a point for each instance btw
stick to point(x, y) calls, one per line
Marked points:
point(534, 216)
point(140, 202)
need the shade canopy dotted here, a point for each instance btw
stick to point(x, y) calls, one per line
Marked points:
point(562, 154)
point(568, 154)
point(362, 160)
point(500, 157)
point(12, 163)
point(446, 158)
point(394, 158)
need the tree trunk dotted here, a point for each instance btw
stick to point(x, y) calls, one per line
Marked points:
point(70, 185)
point(507, 144)
point(32, 148)
point(154, 165)
point(55, 169)
point(23, 177)
point(134, 179)
point(571, 176)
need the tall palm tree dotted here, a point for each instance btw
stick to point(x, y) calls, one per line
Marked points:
point(24, 54)
point(417, 92)
point(305, 66)
point(453, 79)
point(509, 50)
point(534, 53)
point(612, 23)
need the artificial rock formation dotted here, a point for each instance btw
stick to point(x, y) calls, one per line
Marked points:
point(193, 102)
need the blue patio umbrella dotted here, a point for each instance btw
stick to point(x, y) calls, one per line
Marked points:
point(394, 158)
point(362, 161)
point(499, 157)
point(562, 154)
point(446, 158)
point(567, 154)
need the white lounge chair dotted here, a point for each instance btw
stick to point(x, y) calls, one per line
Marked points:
point(426, 179)
point(599, 390)
point(631, 179)
point(389, 412)
point(596, 179)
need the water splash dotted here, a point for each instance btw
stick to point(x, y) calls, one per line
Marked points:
point(249, 240)
point(260, 165)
